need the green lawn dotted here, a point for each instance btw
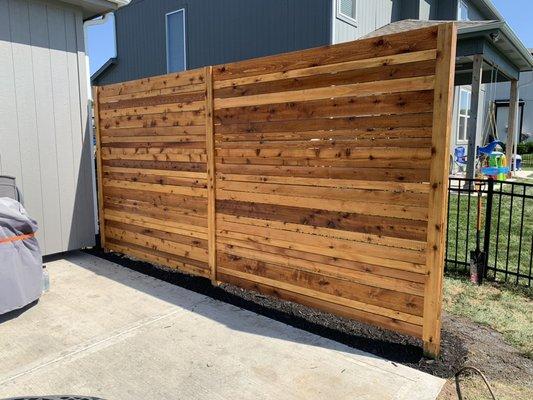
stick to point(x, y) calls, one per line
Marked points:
point(510, 213)
point(506, 309)
point(527, 161)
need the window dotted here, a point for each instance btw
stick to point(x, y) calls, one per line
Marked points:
point(176, 51)
point(465, 94)
point(346, 10)
point(462, 13)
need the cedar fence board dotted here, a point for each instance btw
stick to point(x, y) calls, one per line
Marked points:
point(317, 176)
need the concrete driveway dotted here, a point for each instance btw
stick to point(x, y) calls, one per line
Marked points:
point(110, 332)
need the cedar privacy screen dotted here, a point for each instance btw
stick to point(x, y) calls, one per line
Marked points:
point(316, 176)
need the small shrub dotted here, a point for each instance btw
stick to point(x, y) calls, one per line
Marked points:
point(525, 148)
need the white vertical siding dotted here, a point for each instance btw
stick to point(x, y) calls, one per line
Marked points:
point(26, 107)
point(44, 137)
point(427, 9)
point(40, 46)
point(481, 121)
point(371, 15)
point(502, 92)
point(9, 138)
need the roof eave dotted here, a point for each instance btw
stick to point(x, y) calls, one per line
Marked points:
point(508, 34)
point(522, 49)
point(95, 8)
point(108, 64)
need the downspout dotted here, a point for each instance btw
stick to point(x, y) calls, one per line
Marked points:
point(94, 22)
point(333, 22)
point(86, 24)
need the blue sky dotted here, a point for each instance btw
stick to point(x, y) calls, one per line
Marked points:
point(517, 13)
point(101, 44)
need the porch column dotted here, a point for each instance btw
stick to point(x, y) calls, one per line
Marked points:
point(472, 121)
point(513, 116)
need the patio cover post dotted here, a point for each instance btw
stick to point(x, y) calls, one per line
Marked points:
point(472, 121)
point(513, 117)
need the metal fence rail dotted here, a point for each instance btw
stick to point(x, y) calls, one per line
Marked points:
point(527, 160)
point(495, 217)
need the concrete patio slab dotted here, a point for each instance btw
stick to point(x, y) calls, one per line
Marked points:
point(113, 333)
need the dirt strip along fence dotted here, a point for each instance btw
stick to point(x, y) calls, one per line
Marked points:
point(317, 176)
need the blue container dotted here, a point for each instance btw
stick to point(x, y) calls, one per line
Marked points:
point(493, 171)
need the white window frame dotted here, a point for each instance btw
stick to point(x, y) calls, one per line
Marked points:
point(184, 37)
point(461, 4)
point(460, 115)
point(344, 17)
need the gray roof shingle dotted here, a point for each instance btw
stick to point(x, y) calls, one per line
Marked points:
point(410, 24)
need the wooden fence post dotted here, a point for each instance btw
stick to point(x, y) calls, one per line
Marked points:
point(512, 128)
point(99, 172)
point(438, 192)
point(211, 174)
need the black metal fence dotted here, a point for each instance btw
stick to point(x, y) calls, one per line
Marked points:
point(527, 160)
point(496, 218)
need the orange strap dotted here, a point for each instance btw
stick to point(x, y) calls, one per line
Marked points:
point(16, 238)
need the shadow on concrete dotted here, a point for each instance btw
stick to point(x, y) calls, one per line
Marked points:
point(17, 313)
point(357, 336)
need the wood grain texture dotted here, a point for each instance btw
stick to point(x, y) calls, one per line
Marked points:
point(317, 176)
point(331, 68)
point(153, 170)
point(438, 192)
point(211, 174)
point(399, 43)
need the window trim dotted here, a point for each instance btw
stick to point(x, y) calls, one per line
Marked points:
point(184, 38)
point(460, 115)
point(344, 17)
point(465, 5)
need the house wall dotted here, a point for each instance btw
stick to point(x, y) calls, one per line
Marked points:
point(481, 121)
point(44, 137)
point(230, 30)
point(217, 32)
point(429, 9)
point(439, 10)
point(409, 9)
point(502, 92)
point(371, 15)
point(474, 13)
point(446, 9)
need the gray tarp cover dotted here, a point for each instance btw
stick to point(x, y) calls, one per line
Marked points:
point(21, 273)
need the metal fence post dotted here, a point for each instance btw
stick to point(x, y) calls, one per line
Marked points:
point(488, 223)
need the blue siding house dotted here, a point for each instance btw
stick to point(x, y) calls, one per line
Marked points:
point(158, 36)
point(154, 35)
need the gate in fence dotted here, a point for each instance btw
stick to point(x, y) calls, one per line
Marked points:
point(497, 218)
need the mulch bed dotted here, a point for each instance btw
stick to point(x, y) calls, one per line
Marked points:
point(463, 341)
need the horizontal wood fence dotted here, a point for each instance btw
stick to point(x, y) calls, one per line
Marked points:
point(153, 170)
point(317, 176)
